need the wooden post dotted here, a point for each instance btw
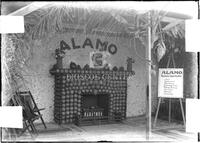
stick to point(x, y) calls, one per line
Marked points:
point(198, 61)
point(148, 99)
point(149, 71)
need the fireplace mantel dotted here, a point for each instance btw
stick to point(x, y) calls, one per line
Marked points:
point(96, 72)
point(70, 85)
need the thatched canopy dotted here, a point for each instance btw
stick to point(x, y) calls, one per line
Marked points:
point(52, 17)
point(48, 19)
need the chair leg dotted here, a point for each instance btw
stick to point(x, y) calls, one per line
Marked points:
point(37, 108)
point(24, 129)
point(33, 127)
point(43, 122)
point(27, 126)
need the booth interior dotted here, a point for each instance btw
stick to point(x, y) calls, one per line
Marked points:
point(82, 73)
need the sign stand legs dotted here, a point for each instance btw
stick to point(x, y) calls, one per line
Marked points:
point(182, 111)
point(169, 118)
point(159, 101)
point(170, 105)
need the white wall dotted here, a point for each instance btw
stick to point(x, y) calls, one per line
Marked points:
point(41, 83)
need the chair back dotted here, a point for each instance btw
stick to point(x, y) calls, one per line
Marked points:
point(27, 98)
point(28, 112)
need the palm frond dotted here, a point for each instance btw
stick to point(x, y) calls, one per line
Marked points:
point(177, 31)
point(16, 53)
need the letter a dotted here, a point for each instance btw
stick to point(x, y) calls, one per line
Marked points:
point(87, 43)
point(64, 45)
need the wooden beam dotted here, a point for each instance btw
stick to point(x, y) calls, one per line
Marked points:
point(172, 24)
point(175, 15)
point(169, 19)
point(29, 8)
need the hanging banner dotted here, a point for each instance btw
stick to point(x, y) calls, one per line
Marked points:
point(170, 83)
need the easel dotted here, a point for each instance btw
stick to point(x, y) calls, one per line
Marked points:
point(171, 58)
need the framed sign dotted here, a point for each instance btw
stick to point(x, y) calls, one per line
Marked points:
point(170, 83)
point(98, 59)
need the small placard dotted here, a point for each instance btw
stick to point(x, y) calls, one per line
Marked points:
point(170, 83)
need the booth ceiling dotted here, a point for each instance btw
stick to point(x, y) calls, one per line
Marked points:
point(50, 17)
point(53, 19)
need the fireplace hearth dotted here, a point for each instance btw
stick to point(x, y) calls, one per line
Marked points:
point(89, 96)
point(94, 105)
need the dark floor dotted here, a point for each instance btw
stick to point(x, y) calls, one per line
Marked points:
point(132, 129)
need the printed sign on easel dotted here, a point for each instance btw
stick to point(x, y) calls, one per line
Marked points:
point(170, 83)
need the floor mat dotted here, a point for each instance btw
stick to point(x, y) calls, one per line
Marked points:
point(54, 130)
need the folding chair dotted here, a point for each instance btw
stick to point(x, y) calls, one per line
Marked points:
point(27, 115)
point(28, 99)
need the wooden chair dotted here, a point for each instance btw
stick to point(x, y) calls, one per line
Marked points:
point(27, 98)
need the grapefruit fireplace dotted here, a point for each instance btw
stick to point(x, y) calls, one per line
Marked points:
point(89, 96)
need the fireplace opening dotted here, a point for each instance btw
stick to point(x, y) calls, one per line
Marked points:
point(94, 105)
